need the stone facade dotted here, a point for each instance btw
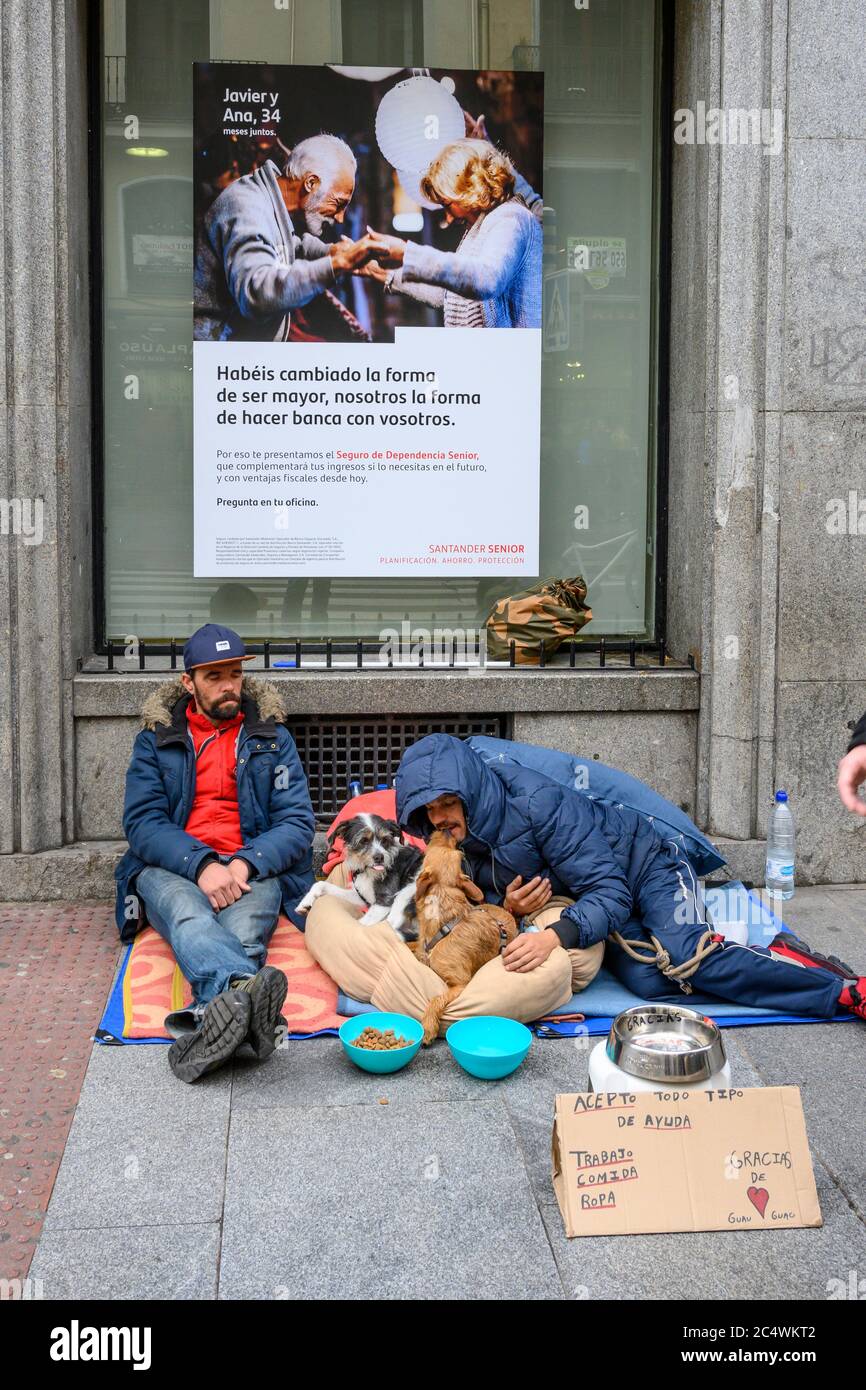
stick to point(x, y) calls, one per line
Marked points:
point(767, 390)
point(767, 427)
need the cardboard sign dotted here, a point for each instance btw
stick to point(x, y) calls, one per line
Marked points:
point(683, 1160)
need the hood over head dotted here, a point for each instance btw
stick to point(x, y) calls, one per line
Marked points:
point(442, 765)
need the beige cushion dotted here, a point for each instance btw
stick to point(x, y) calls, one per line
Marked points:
point(373, 965)
point(585, 964)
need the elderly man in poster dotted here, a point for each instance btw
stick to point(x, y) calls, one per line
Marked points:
point(260, 253)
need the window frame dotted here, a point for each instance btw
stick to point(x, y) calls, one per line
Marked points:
point(662, 214)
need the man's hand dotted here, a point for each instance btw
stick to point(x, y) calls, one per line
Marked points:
point(529, 949)
point(522, 898)
point(222, 884)
point(240, 869)
point(852, 774)
point(350, 255)
point(373, 271)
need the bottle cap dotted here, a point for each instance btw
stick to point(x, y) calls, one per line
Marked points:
point(781, 796)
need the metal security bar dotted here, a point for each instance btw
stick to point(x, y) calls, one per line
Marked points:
point(331, 655)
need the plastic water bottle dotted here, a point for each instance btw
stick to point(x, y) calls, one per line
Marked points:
point(780, 850)
point(355, 787)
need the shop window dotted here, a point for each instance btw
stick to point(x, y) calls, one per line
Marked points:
point(600, 183)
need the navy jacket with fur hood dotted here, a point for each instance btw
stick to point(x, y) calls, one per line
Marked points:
point(276, 815)
point(521, 822)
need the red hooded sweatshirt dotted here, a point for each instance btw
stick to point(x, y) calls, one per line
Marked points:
point(215, 818)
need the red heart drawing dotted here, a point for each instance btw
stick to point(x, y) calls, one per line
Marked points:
point(759, 1197)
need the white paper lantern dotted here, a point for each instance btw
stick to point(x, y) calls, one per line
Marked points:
point(415, 120)
point(364, 74)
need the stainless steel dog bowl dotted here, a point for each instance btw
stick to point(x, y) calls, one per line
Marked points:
point(662, 1042)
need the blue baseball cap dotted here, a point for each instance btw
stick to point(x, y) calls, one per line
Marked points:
point(211, 645)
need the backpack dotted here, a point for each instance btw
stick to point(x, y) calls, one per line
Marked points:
point(551, 613)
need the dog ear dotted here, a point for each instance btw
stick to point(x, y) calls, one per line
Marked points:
point(423, 882)
point(339, 831)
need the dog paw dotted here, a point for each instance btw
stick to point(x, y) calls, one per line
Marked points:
point(308, 899)
point(375, 914)
point(430, 1035)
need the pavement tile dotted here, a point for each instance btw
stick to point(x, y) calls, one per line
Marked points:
point(773, 1264)
point(829, 920)
point(318, 1072)
point(145, 1149)
point(119, 1078)
point(851, 903)
point(56, 966)
point(144, 1262)
point(400, 1202)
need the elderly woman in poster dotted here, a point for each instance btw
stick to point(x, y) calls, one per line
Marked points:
point(493, 279)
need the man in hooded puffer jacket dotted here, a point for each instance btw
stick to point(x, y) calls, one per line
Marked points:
point(629, 888)
point(220, 826)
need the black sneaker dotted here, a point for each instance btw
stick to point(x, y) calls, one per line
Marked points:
point(267, 991)
point(224, 1026)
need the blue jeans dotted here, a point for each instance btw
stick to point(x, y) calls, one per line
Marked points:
point(211, 948)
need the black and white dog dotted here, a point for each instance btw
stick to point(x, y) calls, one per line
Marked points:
point(384, 870)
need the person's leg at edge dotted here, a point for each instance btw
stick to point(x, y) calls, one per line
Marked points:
point(670, 906)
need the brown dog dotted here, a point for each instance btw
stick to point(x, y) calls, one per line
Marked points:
point(454, 938)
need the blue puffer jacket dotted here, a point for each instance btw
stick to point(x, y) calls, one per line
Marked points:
point(521, 822)
point(276, 815)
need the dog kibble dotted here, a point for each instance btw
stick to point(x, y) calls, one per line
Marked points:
point(375, 1041)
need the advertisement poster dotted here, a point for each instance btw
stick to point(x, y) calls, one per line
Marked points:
point(367, 321)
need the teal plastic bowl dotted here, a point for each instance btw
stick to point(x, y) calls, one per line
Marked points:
point(381, 1062)
point(488, 1046)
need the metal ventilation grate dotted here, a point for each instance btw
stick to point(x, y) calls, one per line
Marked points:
point(337, 752)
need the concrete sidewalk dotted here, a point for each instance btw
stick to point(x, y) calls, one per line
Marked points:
point(306, 1178)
